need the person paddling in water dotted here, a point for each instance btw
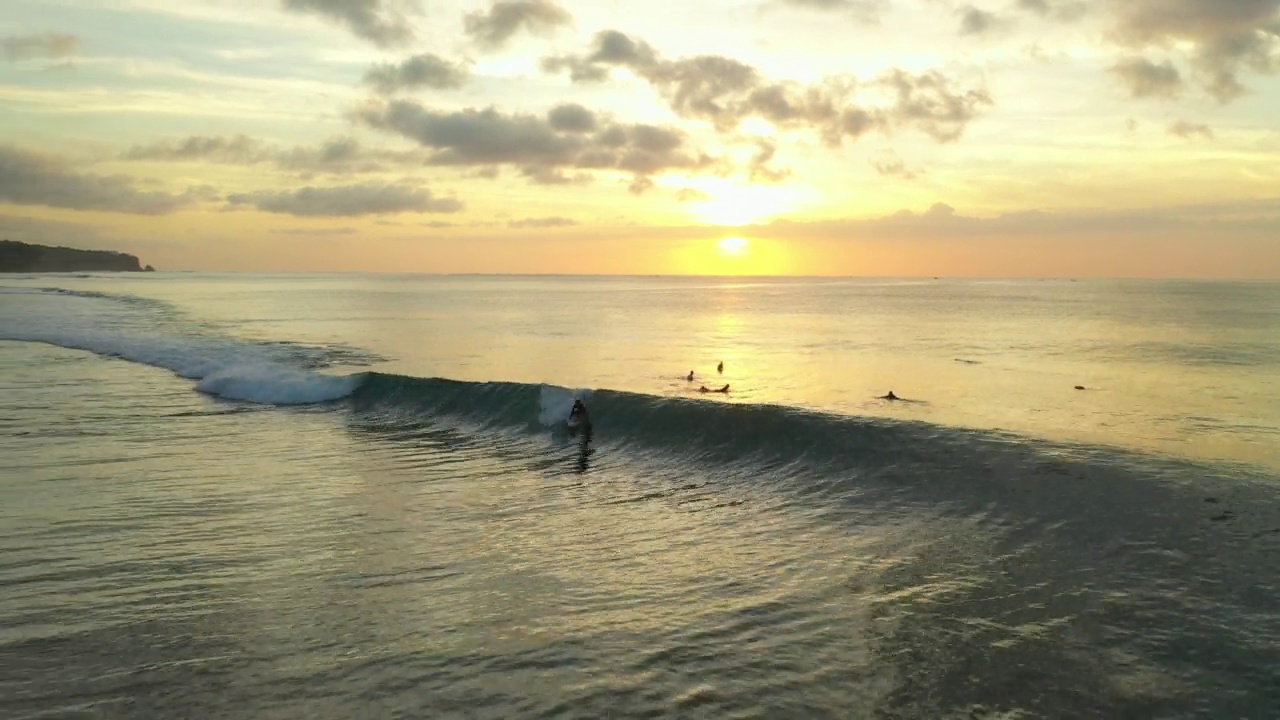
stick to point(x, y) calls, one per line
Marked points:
point(724, 389)
point(890, 396)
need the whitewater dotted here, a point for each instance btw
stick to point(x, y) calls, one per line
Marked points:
point(345, 495)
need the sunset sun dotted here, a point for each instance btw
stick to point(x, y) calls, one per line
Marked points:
point(733, 246)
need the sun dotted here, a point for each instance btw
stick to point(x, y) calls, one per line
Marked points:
point(733, 246)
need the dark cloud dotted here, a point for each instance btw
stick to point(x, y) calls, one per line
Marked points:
point(1064, 10)
point(758, 170)
point(505, 18)
point(640, 185)
point(691, 195)
point(543, 175)
point(887, 162)
point(236, 149)
point(420, 71)
point(315, 232)
point(572, 118)
point(346, 201)
point(1226, 37)
point(29, 47)
point(544, 222)
point(1188, 130)
point(28, 178)
point(929, 102)
point(339, 155)
point(541, 146)
point(1144, 78)
point(976, 22)
point(867, 11)
point(381, 22)
point(725, 92)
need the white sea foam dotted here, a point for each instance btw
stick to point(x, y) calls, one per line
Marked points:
point(276, 384)
point(226, 367)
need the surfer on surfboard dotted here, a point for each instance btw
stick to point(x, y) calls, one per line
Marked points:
point(578, 415)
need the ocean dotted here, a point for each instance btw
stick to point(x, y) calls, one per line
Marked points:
point(340, 496)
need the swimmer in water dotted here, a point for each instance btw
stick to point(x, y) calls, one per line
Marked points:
point(720, 367)
point(890, 396)
point(724, 389)
point(689, 377)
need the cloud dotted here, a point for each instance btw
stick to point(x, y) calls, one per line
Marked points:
point(888, 163)
point(507, 17)
point(1188, 130)
point(691, 195)
point(346, 201)
point(381, 22)
point(866, 11)
point(1064, 10)
point(234, 149)
point(28, 178)
point(758, 170)
point(341, 155)
point(540, 146)
point(725, 92)
point(571, 118)
point(29, 47)
point(316, 232)
point(1144, 78)
point(338, 155)
point(976, 22)
point(942, 221)
point(544, 222)
point(929, 102)
point(419, 71)
point(1225, 37)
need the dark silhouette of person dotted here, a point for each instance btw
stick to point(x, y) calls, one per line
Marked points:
point(689, 377)
point(724, 389)
point(579, 413)
point(890, 396)
point(720, 367)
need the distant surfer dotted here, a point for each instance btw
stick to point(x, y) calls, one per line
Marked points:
point(705, 389)
point(689, 377)
point(578, 415)
point(890, 396)
point(720, 367)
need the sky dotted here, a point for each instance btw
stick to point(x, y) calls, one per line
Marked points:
point(992, 138)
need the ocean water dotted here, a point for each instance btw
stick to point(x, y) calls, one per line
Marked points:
point(335, 496)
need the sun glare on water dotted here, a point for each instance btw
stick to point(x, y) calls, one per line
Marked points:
point(733, 246)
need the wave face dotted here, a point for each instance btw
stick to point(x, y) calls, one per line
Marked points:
point(720, 430)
